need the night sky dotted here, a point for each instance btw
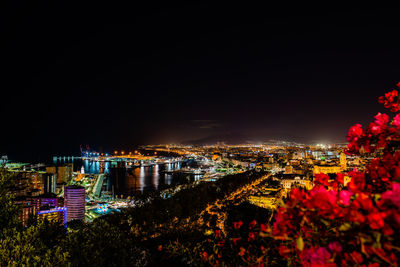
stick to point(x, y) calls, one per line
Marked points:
point(114, 76)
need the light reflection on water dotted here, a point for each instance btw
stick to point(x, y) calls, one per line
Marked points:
point(128, 181)
point(147, 178)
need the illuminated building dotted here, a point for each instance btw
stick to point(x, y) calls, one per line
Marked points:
point(26, 212)
point(34, 205)
point(50, 183)
point(74, 197)
point(327, 169)
point(26, 209)
point(53, 214)
point(27, 183)
point(296, 182)
point(288, 169)
point(44, 200)
point(64, 173)
point(289, 181)
point(343, 161)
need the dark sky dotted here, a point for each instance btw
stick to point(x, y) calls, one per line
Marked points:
point(113, 75)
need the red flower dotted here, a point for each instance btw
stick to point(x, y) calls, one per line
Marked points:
point(364, 201)
point(252, 224)
point(354, 133)
point(265, 228)
point(374, 128)
point(387, 230)
point(235, 239)
point(352, 148)
point(159, 248)
point(242, 251)
point(340, 178)
point(252, 236)
point(357, 257)
point(284, 251)
point(238, 224)
point(321, 179)
point(357, 182)
point(389, 101)
point(376, 220)
point(218, 233)
point(355, 216)
point(370, 205)
point(204, 255)
point(381, 119)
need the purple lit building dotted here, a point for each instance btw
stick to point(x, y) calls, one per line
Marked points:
point(74, 201)
point(44, 200)
point(53, 214)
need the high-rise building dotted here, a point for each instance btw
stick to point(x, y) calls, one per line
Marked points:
point(74, 201)
point(64, 173)
point(50, 183)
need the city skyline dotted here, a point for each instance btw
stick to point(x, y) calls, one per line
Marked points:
point(199, 134)
point(115, 77)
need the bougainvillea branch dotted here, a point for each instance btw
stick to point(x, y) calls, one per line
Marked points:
point(356, 224)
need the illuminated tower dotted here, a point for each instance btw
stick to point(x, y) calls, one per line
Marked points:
point(50, 183)
point(343, 161)
point(74, 198)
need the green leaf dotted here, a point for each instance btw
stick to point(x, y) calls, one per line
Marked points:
point(300, 243)
point(344, 227)
point(325, 222)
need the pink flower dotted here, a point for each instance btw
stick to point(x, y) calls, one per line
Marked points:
point(317, 257)
point(335, 247)
point(374, 128)
point(344, 197)
point(393, 195)
point(396, 120)
point(381, 119)
point(354, 132)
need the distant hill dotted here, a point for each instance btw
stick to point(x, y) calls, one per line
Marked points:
point(237, 138)
point(229, 138)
